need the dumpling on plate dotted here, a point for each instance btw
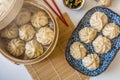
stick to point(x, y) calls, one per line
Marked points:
point(87, 34)
point(10, 32)
point(101, 44)
point(26, 32)
point(111, 30)
point(77, 50)
point(39, 19)
point(16, 47)
point(33, 49)
point(91, 61)
point(45, 35)
point(23, 17)
point(98, 20)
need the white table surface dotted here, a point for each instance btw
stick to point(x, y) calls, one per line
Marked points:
point(10, 71)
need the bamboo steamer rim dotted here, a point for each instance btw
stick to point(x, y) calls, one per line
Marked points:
point(11, 13)
point(48, 51)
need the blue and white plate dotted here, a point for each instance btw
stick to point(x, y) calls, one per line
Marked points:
point(105, 59)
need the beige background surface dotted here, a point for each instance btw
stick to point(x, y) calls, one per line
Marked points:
point(9, 71)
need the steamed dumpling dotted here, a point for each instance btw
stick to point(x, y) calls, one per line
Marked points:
point(26, 32)
point(23, 17)
point(98, 20)
point(87, 34)
point(105, 2)
point(10, 32)
point(111, 30)
point(16, 47)
point(77, 50)
point(39, 19)
point(102, 44)
point(91, 61)
point(33, 49)
point(45, 35)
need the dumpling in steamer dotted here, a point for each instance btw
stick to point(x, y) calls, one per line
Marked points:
point(98, 20)
point(23, 17)
point(26, 32)
point(10, 32)
point(102, 44)
point(16, 47)
point(91, 61)
point(87, 34)
point(77, 50)
point(39, 19)
point(111, 30)
point(45, 35)
point(33, 49)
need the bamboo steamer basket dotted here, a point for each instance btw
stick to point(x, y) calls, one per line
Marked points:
point(46, 53)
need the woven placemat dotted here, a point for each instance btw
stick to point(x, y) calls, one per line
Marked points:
point(55, 67)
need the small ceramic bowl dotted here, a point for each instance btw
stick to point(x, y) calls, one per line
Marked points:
point(74, 8)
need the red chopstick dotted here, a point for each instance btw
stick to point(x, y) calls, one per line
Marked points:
point(59, 11)
point(60, 16)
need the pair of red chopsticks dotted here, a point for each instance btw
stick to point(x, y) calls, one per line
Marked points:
point(59, 16)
